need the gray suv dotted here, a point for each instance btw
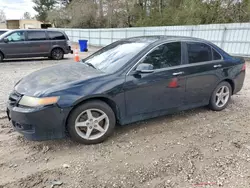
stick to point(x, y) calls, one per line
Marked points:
point(34, 43)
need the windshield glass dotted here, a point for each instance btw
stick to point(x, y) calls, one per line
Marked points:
point(2, 32)
point(113, 57)
point(5, 34)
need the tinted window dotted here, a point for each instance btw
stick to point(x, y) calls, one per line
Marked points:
point(54, 35)
point(217, 56)
point(112, 57)
point(166, 55)
point(199, 52)
point(16, 36)
point(36, 35)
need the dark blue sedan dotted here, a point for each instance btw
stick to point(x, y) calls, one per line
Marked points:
point(127, 81)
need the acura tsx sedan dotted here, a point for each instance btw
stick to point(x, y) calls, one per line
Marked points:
point(127, 81)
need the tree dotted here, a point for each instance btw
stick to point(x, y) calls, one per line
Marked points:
point(130, 13)
point(42, 7)
point(2, 16)
point(26, 15)
point(65, 2)
point(59, 17)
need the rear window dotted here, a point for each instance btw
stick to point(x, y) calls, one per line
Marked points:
point(199, 52)
point(55, 35)
point(216, 55)
point(36, 35)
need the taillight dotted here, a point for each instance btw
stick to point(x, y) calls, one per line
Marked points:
point(244, 67)
point(68, 43)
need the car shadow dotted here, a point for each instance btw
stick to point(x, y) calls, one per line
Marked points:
point(120, 131)
point(182, 115)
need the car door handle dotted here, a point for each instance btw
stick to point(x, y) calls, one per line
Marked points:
point(217, 66)
point(177, 73)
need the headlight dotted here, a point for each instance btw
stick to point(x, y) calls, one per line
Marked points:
point(35, 102)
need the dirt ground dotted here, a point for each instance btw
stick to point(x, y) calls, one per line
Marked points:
point(195, 148)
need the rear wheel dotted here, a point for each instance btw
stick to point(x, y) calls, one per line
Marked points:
point(220, 97)
point(91, 123)
point(57, 54)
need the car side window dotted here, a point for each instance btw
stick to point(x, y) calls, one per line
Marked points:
point(163, 56)
point(36, 35)
point(216, 55)
point(55, 35)
point(16, 36)
point(198, 52)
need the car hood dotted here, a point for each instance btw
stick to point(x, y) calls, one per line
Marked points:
point(55, 78)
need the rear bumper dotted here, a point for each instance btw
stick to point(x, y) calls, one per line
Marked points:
point(39, 124)
point(239, 81)
point(68, 50)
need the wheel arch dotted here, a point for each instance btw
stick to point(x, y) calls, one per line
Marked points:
point(54, 47)
point(228, 80)
point(104, 99)
point(1, 52)
point(231, 82)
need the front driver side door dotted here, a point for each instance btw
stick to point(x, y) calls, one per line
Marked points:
point(160, 90)
point(16, 45)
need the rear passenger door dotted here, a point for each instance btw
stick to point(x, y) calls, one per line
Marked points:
point(38, 43)
point(204, 71)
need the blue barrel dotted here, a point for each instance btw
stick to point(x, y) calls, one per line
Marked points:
point(83, 45)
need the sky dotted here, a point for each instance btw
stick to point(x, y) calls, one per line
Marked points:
point(16, 8)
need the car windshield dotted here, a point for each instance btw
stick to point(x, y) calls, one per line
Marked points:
point(5, 34)
point(2, 32)
point(112, 57)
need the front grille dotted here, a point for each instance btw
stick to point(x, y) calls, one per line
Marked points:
point(14, 98)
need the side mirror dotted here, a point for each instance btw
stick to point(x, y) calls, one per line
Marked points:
point(6, 40)
point(145, 68)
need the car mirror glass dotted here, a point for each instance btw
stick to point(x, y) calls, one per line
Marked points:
point(145, 68)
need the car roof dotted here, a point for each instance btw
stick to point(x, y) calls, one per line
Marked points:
point(11, 30)
point(35, 30)
point(158, 38)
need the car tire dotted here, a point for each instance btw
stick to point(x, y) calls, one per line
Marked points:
point(221, 96)
point(91, 123)
point(57, 54)
point(1, 57)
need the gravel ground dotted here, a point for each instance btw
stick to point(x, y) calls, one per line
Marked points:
point(195, 148)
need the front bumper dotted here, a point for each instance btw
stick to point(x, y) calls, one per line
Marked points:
point(39, 124)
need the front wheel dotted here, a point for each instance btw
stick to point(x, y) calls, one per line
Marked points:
point(91, 123)
point(1, 57)
point(57, 54)
point(220, 97)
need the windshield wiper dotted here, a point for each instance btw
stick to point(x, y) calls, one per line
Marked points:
point(89, 64)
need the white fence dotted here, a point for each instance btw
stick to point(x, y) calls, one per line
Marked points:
point(233, 38)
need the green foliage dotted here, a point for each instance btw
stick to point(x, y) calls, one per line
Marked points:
point(42, 7)
point(131, 13)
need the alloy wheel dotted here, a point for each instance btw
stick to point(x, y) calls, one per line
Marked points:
point(222, 96)
point(92, 124)
point(57, 54)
